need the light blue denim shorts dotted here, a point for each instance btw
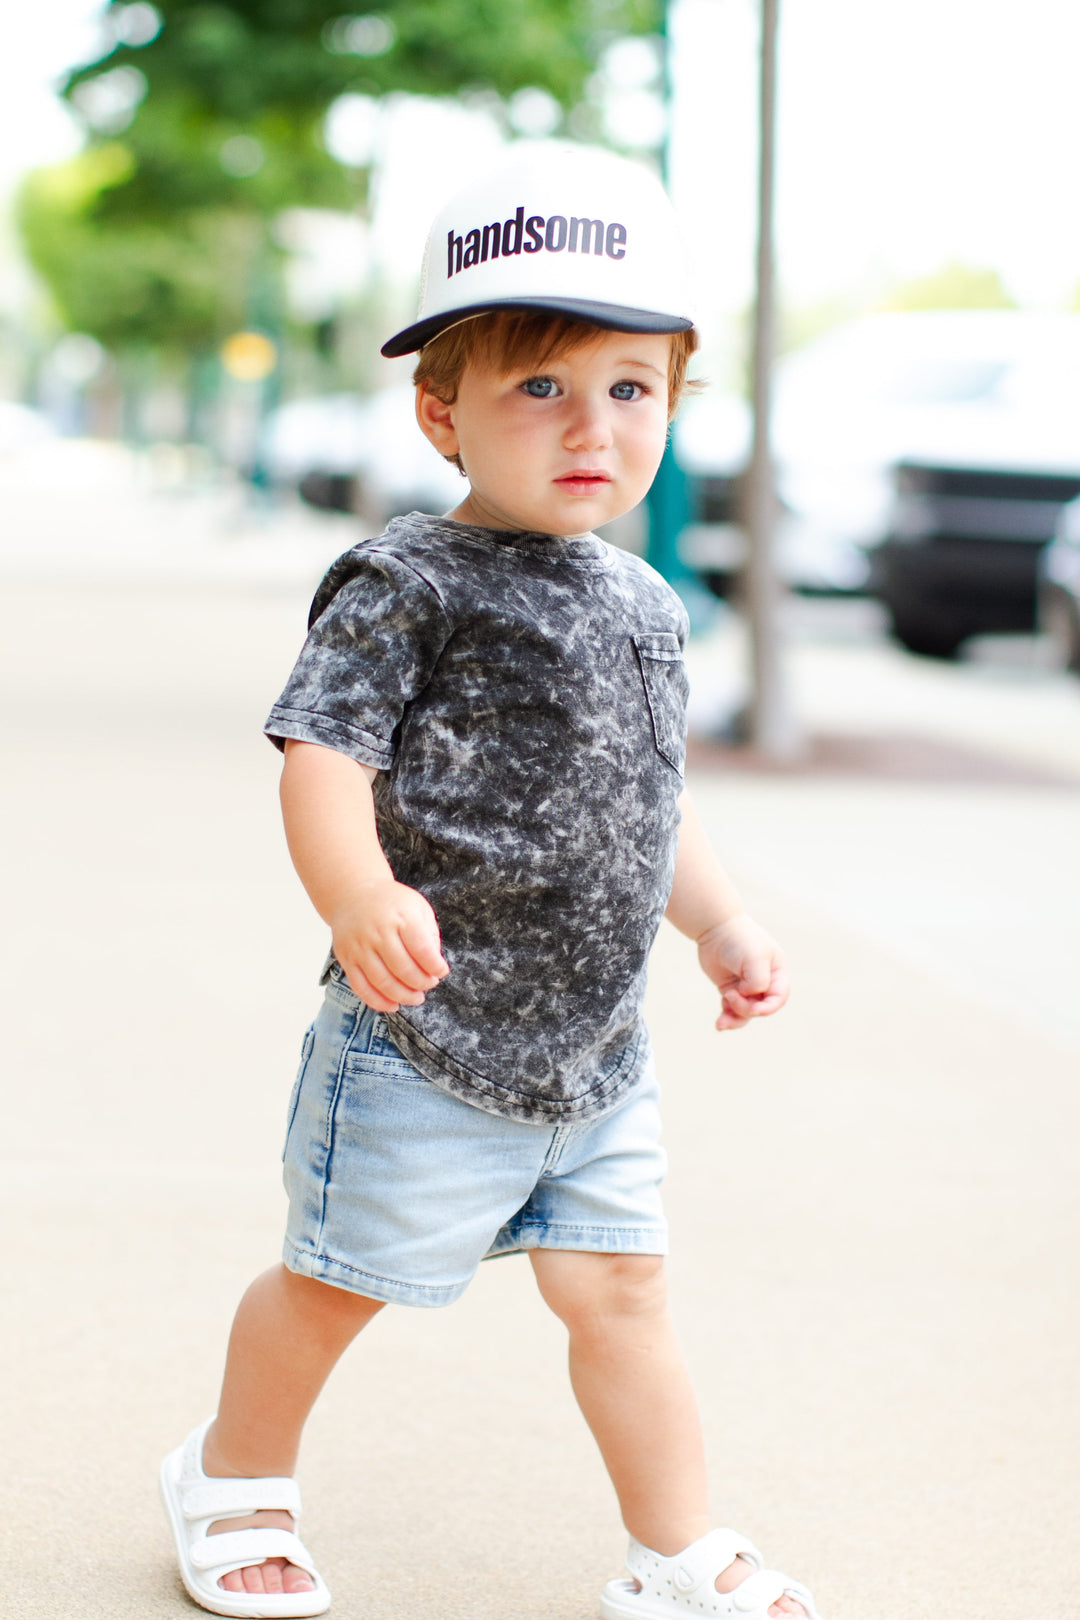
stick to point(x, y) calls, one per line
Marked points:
point(398, 1190)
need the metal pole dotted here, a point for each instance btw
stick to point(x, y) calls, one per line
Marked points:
point(774, 729)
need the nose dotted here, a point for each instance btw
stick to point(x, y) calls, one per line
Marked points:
point(588, 423)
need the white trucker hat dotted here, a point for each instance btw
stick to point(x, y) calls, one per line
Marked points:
point(558, 227)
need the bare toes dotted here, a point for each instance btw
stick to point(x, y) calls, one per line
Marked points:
point(265, 1577)
point(271, 1574)
point(253, 1578)
point(275, 1575)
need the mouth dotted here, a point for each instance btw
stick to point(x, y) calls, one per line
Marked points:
point(583, 481)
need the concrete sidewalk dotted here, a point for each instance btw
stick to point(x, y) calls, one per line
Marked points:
point(874, 1199)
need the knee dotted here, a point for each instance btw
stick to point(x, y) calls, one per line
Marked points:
point(591, 1292)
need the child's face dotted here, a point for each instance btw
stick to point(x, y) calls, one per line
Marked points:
point(561, 447)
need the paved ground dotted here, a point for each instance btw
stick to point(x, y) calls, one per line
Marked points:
point(874, 1200)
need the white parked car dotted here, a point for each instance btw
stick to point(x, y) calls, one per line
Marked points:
point(22, 427)
point(360, 454)
point(925, 456)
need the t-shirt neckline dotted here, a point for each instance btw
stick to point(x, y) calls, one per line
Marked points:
point(574, 547)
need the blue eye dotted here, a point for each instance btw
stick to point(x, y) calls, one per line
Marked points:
point(626, 390)
point(540, 387)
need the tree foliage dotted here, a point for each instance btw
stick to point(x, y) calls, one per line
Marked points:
point(235, 61)
point(133, 283)
point(203, 130)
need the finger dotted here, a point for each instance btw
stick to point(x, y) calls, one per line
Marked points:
point(747, 1007)
point(781, 984)
point(740, 1008)
point(753, 1001)
point(420, 937)
point(775, 990)
point(756, 975)
point(398, 960)
point(388, 984)
point(376, 961)
point(361, 986)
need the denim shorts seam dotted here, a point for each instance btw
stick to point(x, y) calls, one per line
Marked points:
point(590, 1239)
point(331, 1117)
point(583, 1226)
point(378, 1032)
point(561, 1137)
point(436, 1291)
point(294, 1098)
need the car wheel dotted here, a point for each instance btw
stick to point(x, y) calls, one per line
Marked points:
point(720, 582)
point(329, 492)
point(931, 638)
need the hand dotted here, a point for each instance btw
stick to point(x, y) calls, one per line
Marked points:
point(747, 967)
point(386, 938)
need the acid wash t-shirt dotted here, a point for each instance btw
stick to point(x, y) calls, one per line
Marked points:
point(523, 698)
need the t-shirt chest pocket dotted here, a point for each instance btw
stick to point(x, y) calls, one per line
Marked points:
point(666, 688)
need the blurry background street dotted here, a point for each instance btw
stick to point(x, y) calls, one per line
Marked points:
point(210, 217)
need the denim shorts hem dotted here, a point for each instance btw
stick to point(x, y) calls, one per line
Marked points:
point(388, 1289)
point(590, 1239)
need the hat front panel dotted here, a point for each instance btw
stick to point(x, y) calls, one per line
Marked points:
point(558, 224)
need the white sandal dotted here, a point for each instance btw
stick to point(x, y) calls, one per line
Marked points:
point(194, 1501)
point(664, 1588)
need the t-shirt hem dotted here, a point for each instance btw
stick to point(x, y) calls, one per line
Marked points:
point(453, 1077)
point(302, 725)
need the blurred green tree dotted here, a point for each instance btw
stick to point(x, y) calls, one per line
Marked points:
point(133, 283)
point(204, 121)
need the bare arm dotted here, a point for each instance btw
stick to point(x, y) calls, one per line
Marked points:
point(385, 934)
point(741, 959)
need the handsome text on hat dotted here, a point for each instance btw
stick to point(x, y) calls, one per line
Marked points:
point(533, 235)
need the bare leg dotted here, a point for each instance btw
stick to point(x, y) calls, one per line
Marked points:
point(633, 1387)
point(286, 1338)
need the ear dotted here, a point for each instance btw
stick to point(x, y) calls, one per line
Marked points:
point(436, 419)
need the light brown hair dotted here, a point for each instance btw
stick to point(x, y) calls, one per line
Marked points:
point(509, 338)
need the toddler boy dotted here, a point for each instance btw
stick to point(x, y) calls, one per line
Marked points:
point(482, 791)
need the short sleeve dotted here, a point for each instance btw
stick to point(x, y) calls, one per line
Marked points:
point(370, 651)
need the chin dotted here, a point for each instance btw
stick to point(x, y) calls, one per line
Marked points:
point(588, 512)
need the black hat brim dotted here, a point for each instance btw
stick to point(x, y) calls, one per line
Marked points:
point(612, 317)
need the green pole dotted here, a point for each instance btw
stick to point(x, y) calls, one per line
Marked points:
point(265, 315)
point(668, 503)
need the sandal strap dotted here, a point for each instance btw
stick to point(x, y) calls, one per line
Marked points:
point(697, 1564)
point(239, 1548)
point(231, 1498)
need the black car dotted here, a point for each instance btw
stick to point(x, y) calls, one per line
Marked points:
point(1059, 589)
point(962, 555)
